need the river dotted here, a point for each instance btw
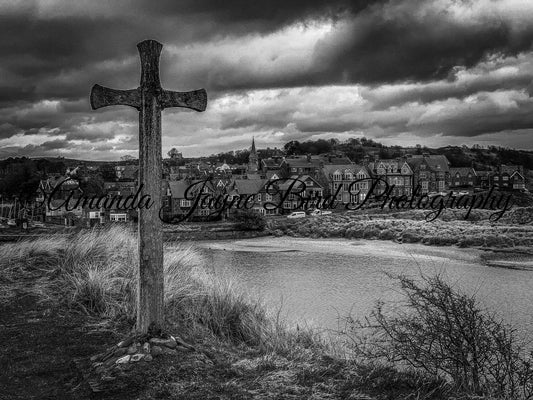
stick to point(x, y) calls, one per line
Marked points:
point(317, 280)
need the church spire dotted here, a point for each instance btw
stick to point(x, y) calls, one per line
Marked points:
point(253, 161)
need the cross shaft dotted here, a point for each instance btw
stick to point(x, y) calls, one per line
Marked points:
point(149, 99)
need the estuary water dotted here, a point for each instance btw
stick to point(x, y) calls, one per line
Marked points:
point(316, 281)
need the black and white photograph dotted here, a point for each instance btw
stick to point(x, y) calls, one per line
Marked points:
point(293, 199)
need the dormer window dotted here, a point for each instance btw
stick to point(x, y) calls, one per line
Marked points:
point(337, 176)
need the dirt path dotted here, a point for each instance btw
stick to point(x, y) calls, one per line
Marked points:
point(37, 348)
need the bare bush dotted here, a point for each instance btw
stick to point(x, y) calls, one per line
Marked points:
point(446, 334)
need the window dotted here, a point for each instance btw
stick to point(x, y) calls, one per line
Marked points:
point(268, 197)
point(349, 176)
point(337, 176)
point(118, 217)
point(258, 196)
point(185, 203)
point(94, 214)
point(424, 185)
point(287, 205)
point(440, 185)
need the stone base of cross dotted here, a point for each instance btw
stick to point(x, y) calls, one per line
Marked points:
point(149, 99)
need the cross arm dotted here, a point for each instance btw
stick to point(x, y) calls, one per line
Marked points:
point(196, 99)
point(102, 96)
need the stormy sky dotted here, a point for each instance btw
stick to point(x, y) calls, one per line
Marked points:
point(434, 72)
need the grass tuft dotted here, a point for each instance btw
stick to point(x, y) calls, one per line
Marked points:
point(94, 271)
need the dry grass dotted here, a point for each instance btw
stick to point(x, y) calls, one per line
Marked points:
point(93, 271)
point(410, 227)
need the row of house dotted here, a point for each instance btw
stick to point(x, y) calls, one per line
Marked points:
point(324, 176)
point(504, 177)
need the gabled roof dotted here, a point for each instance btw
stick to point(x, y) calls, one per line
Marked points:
point(67, 182)
point(509, 169)
point(271, 162)
point(300, 179)
point(330, 169)
point(517, 173)
point(462, 171)
point(484, 173)
point(224, 167)
point(272, 175)
point(178, 188)
point(396, 164)
point(435, 162)
point(359, 168)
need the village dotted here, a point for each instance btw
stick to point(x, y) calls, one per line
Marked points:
point(274, 178)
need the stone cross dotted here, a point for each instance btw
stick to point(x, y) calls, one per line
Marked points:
point(149, 99)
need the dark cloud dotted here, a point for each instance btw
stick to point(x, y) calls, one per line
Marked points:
point(90, 137)
point(378, 47)
point(55, 144)
point(243, 16)
point(397, 51)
